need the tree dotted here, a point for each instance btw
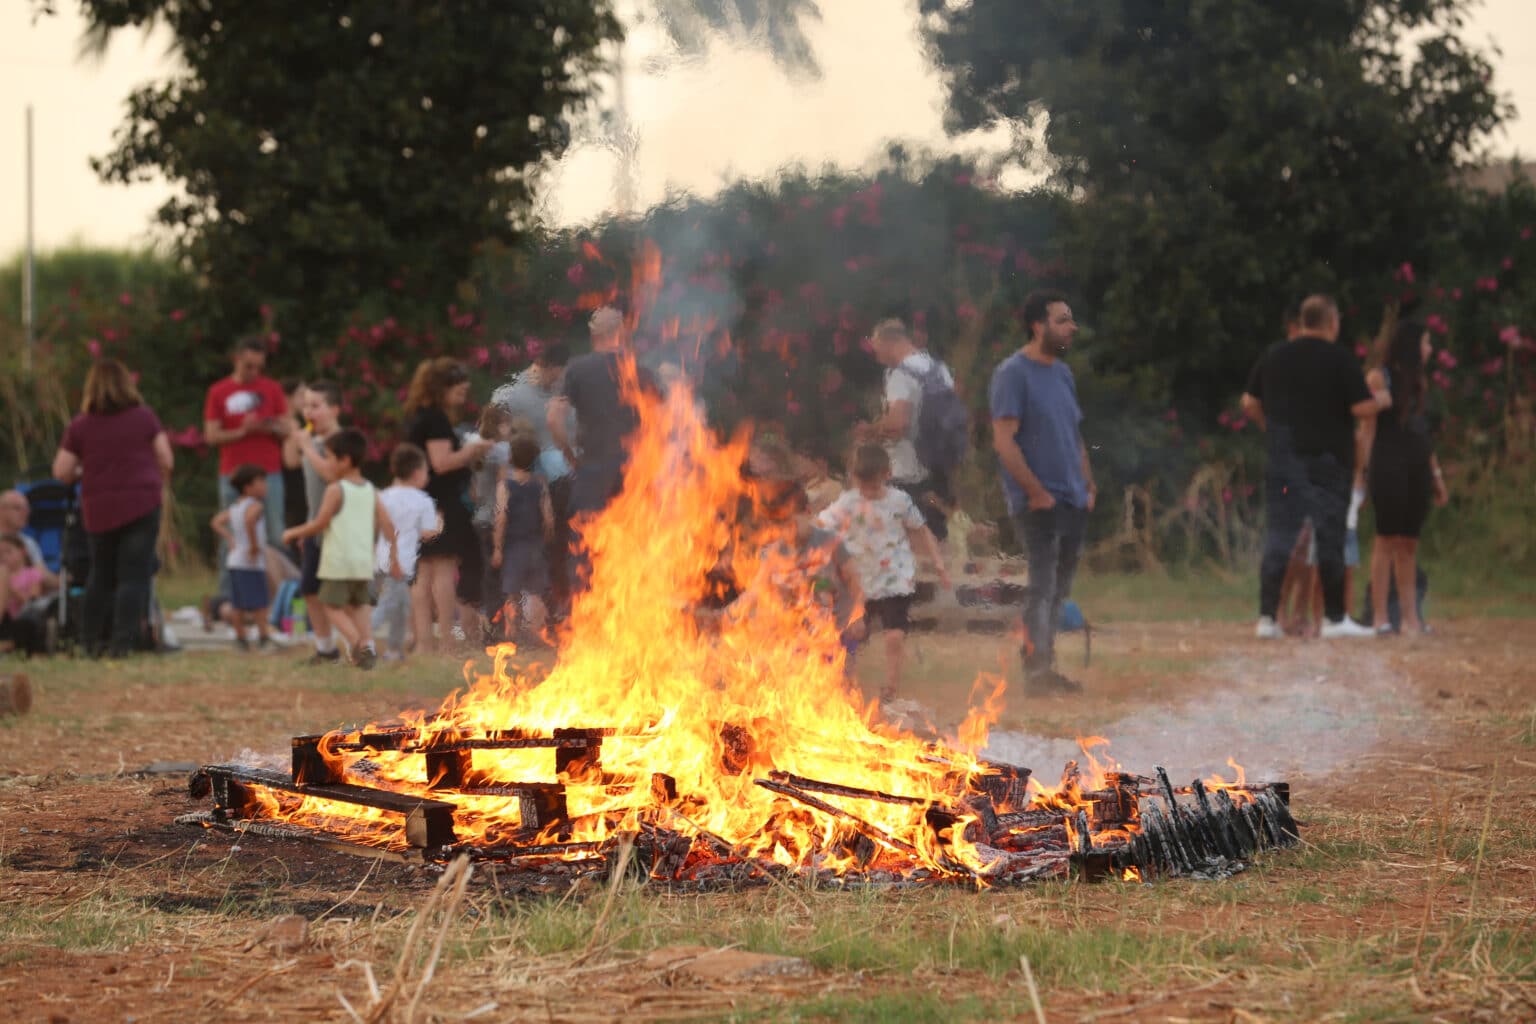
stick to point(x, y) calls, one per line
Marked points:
point(331, 156)
point(1228, 155)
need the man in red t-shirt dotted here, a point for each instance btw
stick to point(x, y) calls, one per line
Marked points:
point(246, 418)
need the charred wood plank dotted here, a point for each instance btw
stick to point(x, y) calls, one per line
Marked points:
point(837, 789)
point(877, 834)
point(428, 823)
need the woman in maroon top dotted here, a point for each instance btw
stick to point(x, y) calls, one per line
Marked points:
point(118, 451)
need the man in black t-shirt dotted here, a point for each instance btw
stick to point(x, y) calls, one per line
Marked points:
point(1309, 392)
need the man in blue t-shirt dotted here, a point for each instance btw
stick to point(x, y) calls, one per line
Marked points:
point(1036, 432)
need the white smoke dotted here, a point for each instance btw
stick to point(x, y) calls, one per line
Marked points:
point(1309, 711)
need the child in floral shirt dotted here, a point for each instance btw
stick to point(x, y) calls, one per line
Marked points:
point(881, 526)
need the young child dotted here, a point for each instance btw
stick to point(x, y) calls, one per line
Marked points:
point(881, 527)
point(524, 522)
point(415, 519)
point(243, 530)
point(350, 518)
point(496, 424)
point(808, 563)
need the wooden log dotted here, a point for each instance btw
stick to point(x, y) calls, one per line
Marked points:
point(15, 694)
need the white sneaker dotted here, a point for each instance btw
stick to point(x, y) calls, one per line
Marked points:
point(1345, 629)
point(1268, 629)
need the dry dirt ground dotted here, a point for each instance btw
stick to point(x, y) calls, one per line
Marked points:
point(1413, 764)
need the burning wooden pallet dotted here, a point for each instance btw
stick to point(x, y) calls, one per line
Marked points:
point(985, 824)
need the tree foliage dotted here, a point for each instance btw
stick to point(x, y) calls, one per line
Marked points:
point(329, 153)
point(1229, 154)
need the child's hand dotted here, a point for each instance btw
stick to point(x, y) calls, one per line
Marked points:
point(857, 629)
point(290, 535)
point(944, 580)
point(496, 559)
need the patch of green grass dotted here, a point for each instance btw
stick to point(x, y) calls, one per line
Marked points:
point(96, 924)
point(907, 1007)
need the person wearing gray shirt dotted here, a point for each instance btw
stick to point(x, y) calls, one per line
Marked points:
point(527, 397)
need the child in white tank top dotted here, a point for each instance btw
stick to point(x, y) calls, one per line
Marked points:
point(242, 527)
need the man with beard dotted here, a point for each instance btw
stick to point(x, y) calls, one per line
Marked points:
point(1036, 432)
point(1310, 394)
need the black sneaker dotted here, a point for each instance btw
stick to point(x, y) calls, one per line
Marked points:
point(244, 644)
point(365, 658)
point(1049, 683)
point(325, 658)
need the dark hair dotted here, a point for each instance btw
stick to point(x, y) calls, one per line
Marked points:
point(556, 353)
point(244, 476)
point(1405, 368)
point(350, 445)
point(525, 452)
point(434, 378)
point(1037, 307)
point(250, 343)
point(327, 389)
point(870, 463)
point(405, 460)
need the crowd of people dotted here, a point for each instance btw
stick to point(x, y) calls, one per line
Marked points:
point(473, 542)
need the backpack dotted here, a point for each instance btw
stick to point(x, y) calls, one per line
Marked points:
point(943, 423)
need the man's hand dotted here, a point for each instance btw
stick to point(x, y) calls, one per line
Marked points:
point(1042, 501)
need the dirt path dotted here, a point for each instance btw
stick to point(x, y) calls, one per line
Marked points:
point(1413, 765)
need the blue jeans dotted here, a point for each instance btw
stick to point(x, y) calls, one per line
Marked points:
point(272, 514)
point(1053, 541)
point(392, 615)
point(1298, 488)
point(117, 591)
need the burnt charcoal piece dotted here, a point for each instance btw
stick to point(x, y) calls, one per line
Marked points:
point(835, 789)
point(874, 832)
point(1006, 785)
point(1095, 866)
point(310, 765)
point(736, 748)
point(199, 785)
point(575, 760)
point(663, 788)
point(1242, 832)
point(1214, 829)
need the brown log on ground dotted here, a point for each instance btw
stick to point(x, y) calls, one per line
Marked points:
point(15, 694)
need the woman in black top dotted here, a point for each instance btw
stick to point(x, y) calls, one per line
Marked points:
point(1404, 474)
point(437, 395)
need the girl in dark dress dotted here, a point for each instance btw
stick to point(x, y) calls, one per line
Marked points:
point(449, 563)
point(1404, 474)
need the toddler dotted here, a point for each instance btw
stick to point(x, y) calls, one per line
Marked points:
point(415, 519)
point(525, 521)
point(242, 527)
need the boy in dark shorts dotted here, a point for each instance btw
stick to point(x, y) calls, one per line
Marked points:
point(525, 521)
point(882, 526)
point(242, 527)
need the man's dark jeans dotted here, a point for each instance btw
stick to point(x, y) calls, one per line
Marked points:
point(594, 483)
point(1053, 541)
point(117, 591)
point(1298, 488)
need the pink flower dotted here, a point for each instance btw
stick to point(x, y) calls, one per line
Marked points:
point(1239, 423)
point(1226, 495)
point(576, 273)
point(108, 334)
point(966, 311)
point(1511, 336)
point(1493, 366)
point(178, 315)
point(1445, 359)
point(1225, 419)
point(482, 356)
point(1441, 378)
point(1436, 323)
point(126, 299)
point(1172, 415)
point(94, 348)
point(560, 311)
point(1488, 284)
point(506, 352)
point(1439, 292)
point(1405, 273)
point(852, 266)
point(839, 217)
point(1508, 263)
point(395, 284)
point(265, 311)
point(1248, 490)
point(1456, 294)
point(792, 407)
point(1525, 234)
point(1360, 350)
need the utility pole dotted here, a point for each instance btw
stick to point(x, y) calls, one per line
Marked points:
point(29, 267)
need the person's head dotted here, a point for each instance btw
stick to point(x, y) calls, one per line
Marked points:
point(13, 554)
point(322, 405)
point(441, 383)
point(1407, 354)
point(408, 465)
point(349, 448)
point(871, 466)
point(249, 481)
point(1291, 320)
point(525, 454)
point(109, 389)
point(607, 327)
point(892, 342)
point(1320, 317)
point(15, 510)
point(250, 359)
point(549, 364)
point(1048, 319)
point(495, 422)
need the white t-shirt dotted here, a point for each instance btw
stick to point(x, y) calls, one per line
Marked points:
point(904, 384)
point(413, 513)
point(241, 554)
point(875, 533)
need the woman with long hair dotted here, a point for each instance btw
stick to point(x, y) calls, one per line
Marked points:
point(119, 452)
point(1404, 473)
point(450, 563)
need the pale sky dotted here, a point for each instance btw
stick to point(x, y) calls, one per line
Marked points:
point(732, 115)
